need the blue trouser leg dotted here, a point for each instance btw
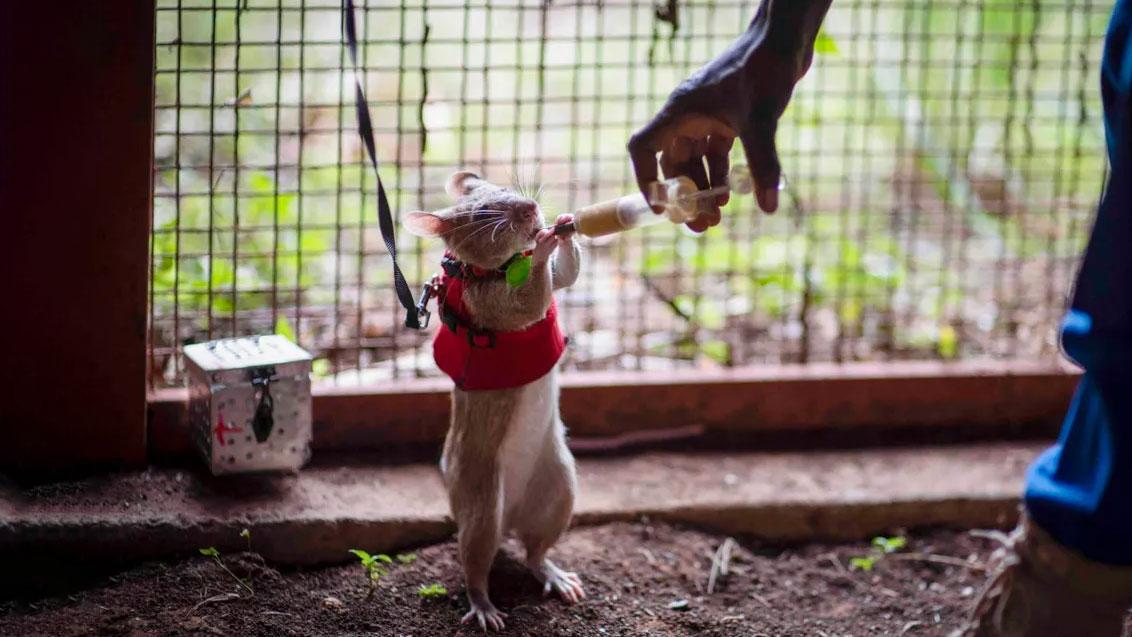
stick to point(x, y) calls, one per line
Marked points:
point(1080, 491)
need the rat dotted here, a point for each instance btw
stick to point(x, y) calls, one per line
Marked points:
point(505, 463)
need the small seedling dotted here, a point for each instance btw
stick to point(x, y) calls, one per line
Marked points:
point(215, 555)
point(432, 591)
point(890, 544)
point(247, 535)
point(863, 563)
point(406, 558)
point(372, 565)
point(881, 546)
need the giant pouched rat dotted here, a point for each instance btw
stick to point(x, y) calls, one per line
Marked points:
point(505, 462)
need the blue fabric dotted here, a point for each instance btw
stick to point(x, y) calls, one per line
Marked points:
point(1080, 490)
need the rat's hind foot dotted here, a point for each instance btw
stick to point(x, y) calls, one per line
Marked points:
point(484, 612)
point(567, 585)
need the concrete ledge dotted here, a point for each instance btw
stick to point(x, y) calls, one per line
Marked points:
point(314, 517)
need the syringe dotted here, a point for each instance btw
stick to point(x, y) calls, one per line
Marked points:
point(679, 197)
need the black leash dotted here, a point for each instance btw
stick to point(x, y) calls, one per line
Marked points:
point(413, 312)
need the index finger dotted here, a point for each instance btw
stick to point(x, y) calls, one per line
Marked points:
point(643, 147)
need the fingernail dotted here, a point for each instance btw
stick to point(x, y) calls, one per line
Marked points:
point(769, 200)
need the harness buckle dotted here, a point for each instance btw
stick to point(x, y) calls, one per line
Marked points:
point(452, 267)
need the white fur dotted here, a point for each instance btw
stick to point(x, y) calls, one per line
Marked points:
point(527, 436)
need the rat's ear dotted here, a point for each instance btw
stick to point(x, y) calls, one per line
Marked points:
point(461, 183)
point(427, 224)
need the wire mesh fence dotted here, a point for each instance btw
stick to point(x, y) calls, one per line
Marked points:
point(942, 158)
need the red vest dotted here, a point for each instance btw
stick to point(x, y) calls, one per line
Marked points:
point(478, 360)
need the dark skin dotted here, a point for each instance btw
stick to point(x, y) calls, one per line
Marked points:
point(741, 93)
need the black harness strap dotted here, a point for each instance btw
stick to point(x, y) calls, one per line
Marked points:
point(384, 215)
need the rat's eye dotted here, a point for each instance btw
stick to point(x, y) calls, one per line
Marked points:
point(486, 213)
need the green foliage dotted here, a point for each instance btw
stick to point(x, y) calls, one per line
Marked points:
point(407, 558)
point(284, 329)
point(889, 544)
point(373, 567)
point(244, 227)
point(857, 278)
point(863, 563)
point(247, 535)
point(432, 591)
point(372, 564)
point(719, 351)
point(948, 344)
point(881, 546)
point(321, 368)
point(212, 552)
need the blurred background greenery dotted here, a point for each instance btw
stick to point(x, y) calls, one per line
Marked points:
point(942, 161)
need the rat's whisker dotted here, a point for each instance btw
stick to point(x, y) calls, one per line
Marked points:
point(481, 222)
point(470, 213)
point(477, 231)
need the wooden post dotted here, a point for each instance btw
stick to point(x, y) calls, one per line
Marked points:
point(76, 123)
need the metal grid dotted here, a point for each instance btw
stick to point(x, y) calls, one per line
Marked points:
point(943, 161)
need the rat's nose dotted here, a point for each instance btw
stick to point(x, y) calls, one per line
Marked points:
point(525, 211)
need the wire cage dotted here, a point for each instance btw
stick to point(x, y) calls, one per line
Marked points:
point(943, 160)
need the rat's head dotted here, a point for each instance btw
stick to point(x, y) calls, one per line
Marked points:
point(486, 225)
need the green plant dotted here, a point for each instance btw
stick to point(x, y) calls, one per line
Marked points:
point(247, 535)
point(881, 546)
point(215, 555)
point(432, 591)
point(372, 566)
point(406, 558)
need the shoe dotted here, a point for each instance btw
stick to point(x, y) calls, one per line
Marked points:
point(1039, 588)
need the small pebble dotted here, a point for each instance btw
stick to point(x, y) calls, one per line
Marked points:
point(333, 602)
point(680, 604)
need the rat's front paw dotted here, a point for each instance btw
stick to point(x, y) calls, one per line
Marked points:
point(564, 239)
point(545, 243)
point(484, 612)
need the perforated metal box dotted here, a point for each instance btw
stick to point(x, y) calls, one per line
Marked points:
point(250, 403)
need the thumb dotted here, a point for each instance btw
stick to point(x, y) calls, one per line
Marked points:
point(757, 137)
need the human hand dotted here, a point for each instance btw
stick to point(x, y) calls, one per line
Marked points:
point(741, 93)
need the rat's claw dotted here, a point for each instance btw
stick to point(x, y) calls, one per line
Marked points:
point(486, 618)
point(568, 585)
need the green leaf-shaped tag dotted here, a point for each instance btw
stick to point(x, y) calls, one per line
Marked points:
point(518, 271)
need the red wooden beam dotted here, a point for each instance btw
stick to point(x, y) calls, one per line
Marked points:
point(76, 121)
point(605, 406)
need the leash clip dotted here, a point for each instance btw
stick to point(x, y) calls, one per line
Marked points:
point(431, 289)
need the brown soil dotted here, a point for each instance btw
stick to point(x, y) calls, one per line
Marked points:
point(635, 576)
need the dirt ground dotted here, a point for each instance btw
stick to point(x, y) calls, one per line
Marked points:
point(641, 579)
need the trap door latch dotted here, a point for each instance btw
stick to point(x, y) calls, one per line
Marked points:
point(264, 419)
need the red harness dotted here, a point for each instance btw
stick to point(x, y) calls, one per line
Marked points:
point(482, 359)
